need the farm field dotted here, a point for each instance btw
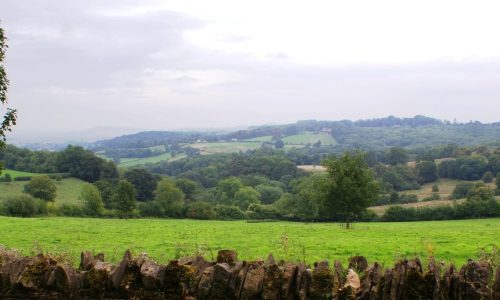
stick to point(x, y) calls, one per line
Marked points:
point(130, 162)
point(449, 241)
point(14, 174)
point(310, 137)
point(225, 147)
point(265, 138)
point(68, 190)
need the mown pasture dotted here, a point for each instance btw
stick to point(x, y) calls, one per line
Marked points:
point(449, 241)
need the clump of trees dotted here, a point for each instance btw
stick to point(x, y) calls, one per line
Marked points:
point(41, 187)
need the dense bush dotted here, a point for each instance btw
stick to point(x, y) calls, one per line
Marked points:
point(479, 206)
point(261, 211)
point(461, 190)
point(150, 209)
point(201, 210)
point(70, 210)
point(22, 178)
point(22, 206)
point(432, 197)
point(41, 187)
point(229, 212)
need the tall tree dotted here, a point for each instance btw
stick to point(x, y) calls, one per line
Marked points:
point(170, 197)
point(124, 198)
point(92, 201)
point(397, 156)
point(42, 187)
point(351, 187)
point(144, 182)
point(7, 117)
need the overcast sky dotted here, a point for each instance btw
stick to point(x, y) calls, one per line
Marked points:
point(189, 64)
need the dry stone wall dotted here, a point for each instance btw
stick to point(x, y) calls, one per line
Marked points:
point(43, 277)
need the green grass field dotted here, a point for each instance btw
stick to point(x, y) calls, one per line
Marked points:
point(450, 241)
point(265, 138)
point(68, 190)
point(310, 137)
point(130, 162)
point(14, 174)
point(225, 147)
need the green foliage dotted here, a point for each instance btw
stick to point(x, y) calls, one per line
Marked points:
point(432, 197)
point(144, 183)
point(464, 168)
point(398, 178)
point(201, 210)
point(461, 190)
point(480, 204)
point(188, 187)
point(245, 196)
point(170, 197)
point(227, 188)
point(42, 187)
point(24, 206)
point(92, 201)
point(435, 188)
point(84, 164)
point(426, 171)
point(151, 209)
point(397, 156)
point(124, 198)
point(487, 177)
point(106, 191)
point(268, 194)
point(227, 212)
point(351, 187)
point(7, 119)
point(480, 193)
point(70, 210)
point(262, 212)
point(279, 144)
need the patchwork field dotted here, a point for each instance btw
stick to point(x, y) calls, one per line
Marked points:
point(450, 241)
point(68, 190)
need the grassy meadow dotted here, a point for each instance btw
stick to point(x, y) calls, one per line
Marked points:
point(226, 147)
point(450, 241)
point(14, 174)
point(68, 190)
point(311, 138)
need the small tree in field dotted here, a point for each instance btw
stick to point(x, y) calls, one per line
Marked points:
point(124, 198)
point(351, 187)
point(41, 187)
point(92, 201)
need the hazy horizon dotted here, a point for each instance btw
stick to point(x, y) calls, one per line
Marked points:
point(165, 65)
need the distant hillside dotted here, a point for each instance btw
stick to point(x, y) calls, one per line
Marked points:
point(372, 134)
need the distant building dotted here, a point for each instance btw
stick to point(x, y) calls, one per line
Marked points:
point(326, 130)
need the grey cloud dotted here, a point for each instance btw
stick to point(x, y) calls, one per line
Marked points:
point(73, 67)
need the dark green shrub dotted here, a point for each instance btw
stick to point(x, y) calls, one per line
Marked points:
point(227, 212)
point(432, 197)
point(70, 210)
point(151, 209)
point(20, 206)
point(487, 177)
point(201, 210)
point(461, 190)
point(262, 211)
point(22, 178)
